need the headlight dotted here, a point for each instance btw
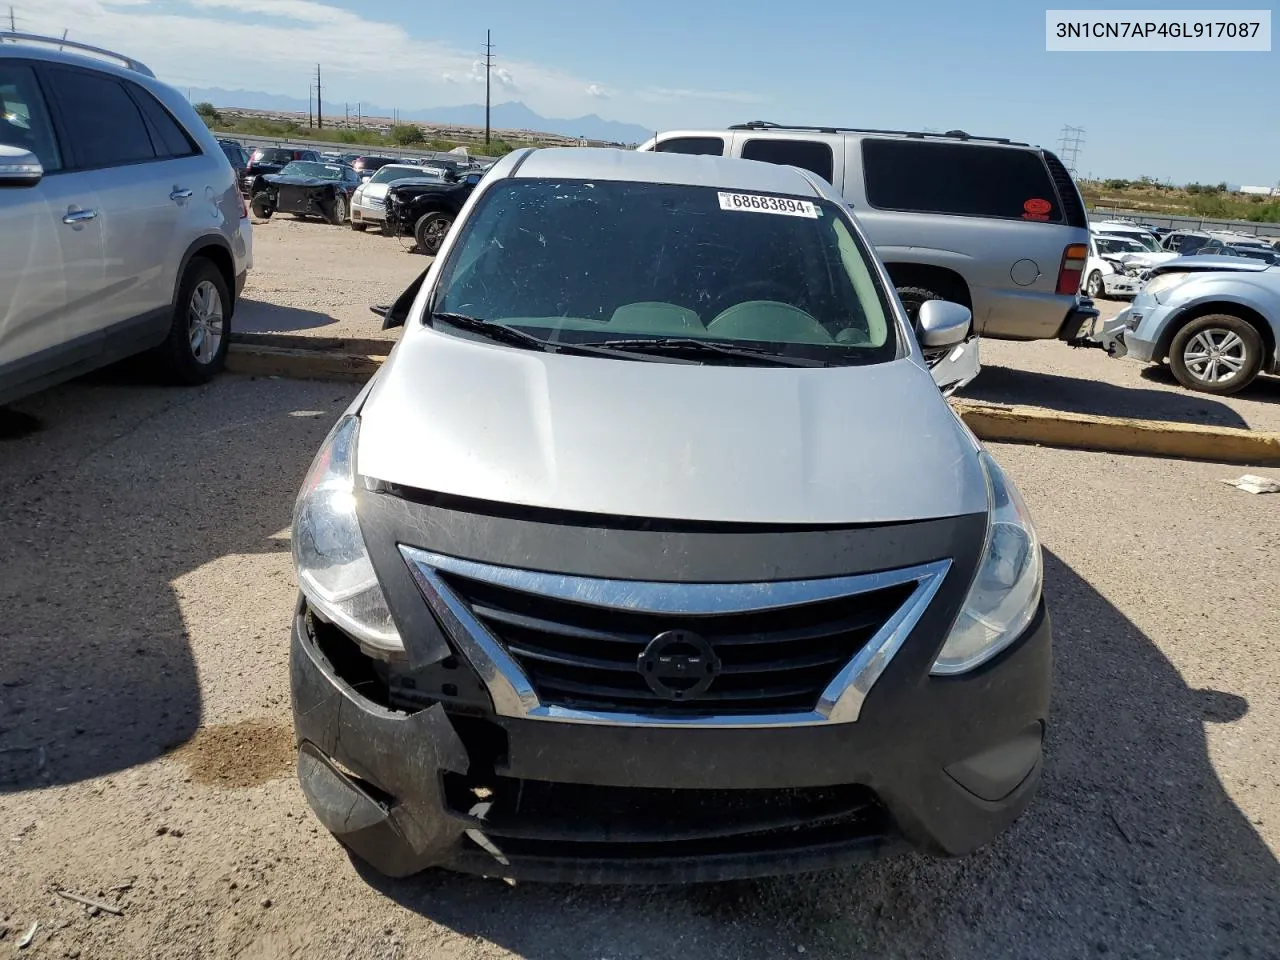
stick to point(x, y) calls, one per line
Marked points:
point(1160, 284)
point(329, 555)
point(1006, 590)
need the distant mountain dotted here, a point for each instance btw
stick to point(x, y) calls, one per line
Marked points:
point(512, 115)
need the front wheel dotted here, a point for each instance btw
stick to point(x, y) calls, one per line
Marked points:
point(262, 206)
point(196, 348)
point(1218, 353)
point(430, 231)
point(1094, 286)
point(338, 211)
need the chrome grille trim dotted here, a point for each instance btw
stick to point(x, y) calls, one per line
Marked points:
point(514, 695)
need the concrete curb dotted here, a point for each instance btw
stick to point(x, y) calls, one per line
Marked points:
point(354, 360)
point(1079, 431)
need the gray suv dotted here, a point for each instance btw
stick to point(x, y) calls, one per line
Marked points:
point(995, 225)
point(122, 230)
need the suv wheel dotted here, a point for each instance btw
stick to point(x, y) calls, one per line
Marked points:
point(1218, 353)
point(196, 348)
point(430, 231)
point(338, 211)
point(913, 297)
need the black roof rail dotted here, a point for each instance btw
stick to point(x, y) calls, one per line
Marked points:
point(918, 134)
point(61, 42)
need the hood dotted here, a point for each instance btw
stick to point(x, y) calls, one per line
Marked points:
point(296, 181)
point(1143, 259)
point(1211, 263)
point(836, 445)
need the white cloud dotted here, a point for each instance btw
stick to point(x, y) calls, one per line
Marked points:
point(274, 46)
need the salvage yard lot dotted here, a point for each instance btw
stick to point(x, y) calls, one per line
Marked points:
point(145, 578)
point(146, 754)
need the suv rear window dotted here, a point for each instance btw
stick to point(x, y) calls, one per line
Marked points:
point(812, 155)
point(968, 180)
point(701, 146)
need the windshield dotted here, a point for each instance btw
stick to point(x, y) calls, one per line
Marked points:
point(587, 262)
point(309, 168)
point(397, 172)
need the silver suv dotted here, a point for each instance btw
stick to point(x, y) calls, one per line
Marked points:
point(997, 226)
point(121, 226)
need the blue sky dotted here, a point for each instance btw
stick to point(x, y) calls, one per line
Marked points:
point(932, 64)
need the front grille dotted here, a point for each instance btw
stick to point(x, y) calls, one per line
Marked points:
point(534, 818)
point(586, 657)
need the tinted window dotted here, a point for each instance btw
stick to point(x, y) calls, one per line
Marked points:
point(172, 139)
point(263, 155)
point(961, 179)
point(103, 123)
point(24, 120)
point(708, 146)
point(810, 155)
point(592, 261)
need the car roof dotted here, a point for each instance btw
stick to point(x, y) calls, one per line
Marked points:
point(606, 163)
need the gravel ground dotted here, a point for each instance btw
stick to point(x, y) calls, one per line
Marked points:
point(145, 751)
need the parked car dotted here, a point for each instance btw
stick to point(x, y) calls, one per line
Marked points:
point(369, 202)
point(1132, 231)
point(1185, 242)
point(425, 209)
point(451, 169)
point(264, 160)
point(236, 154)
point(996, 225)
point(122, 230)
point(1107, 276)
point(1130, 252)
point(366, 165)
point(763, 629)
point(307, 189)
point(1218, 329)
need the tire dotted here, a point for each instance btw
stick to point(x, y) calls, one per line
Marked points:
point(337, 212)
point(261, 205)
point(359, 226)
point(1094, 286)
point(191, 356)
point(1209, 347)
point(430, 230)
point(913, 297)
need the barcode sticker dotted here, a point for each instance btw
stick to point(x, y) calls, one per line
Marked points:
point(759, 203)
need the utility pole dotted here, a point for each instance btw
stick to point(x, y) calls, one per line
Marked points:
point(13, 24)
point(310, 88)
point(319, 102)
point(488, 66)
point(1069, 144)
point(346, 111)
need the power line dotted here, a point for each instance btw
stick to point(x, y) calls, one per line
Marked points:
point(488, 66)
point(1069, 143)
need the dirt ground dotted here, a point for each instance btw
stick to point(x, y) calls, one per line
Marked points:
point(146, 754)
point(312, 278)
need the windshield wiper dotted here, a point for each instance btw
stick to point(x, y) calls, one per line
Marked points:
point(502, 333)
point(691, 347)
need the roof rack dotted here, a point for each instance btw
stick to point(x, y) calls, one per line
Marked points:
point(60, 43)
point(949, 135)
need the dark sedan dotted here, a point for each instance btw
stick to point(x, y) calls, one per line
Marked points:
point(307, 189)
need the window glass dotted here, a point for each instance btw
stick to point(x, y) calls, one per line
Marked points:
point(706, 146)
point(174, 141)
point(589, 261)
point(102, 122)
point(960, 179)
point(812, 155)
point(24, 119)
point(396, 172)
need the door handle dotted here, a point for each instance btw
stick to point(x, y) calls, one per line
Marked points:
point(78, 216)
point(180, 193)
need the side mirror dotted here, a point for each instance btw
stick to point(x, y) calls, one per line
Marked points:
point(19, 167)
point(943, 324)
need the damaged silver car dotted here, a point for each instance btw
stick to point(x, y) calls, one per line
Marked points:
point(653, 553)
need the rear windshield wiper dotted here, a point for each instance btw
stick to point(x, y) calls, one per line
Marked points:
point(691, 347)
point(502, 333)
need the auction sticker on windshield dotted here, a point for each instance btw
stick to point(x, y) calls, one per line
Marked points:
point(758, 203)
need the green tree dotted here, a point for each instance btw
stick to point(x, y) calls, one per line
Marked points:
point(208, 113)
point(407, 133)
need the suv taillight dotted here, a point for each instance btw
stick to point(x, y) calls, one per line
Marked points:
point(1074, 259)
